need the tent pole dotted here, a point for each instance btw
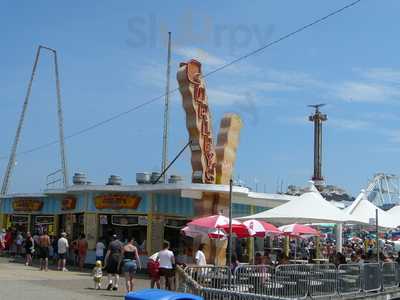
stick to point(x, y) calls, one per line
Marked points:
point(377, 235)
point(230, 230)
point(339, 237)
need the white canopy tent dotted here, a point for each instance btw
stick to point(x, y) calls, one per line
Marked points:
point(394, 212)
point(310, 207)
point(364, 210)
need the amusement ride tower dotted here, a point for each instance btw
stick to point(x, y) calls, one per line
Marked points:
point(318, 118)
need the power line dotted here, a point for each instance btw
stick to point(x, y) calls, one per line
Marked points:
point(286, 36)
point(117, 116)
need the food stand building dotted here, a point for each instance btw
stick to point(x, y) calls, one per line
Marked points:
point(149, 213)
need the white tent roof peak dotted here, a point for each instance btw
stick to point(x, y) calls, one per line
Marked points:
point(310, 207)
point(312, 187)
point(364, 210)
point(394, 211)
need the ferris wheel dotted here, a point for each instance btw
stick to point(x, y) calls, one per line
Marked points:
point(384, 190)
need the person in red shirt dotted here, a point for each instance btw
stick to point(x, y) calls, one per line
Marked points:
point(153, 267)
point(82, 250)
point(8, 239)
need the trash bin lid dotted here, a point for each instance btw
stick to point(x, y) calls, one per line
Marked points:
point(156, 294)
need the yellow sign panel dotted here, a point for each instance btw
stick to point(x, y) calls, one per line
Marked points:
point(117, 201)
point(24, 204)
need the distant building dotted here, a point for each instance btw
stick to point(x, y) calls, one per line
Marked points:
point(333, 193)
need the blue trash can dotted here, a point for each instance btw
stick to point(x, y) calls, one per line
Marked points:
point(156, 294)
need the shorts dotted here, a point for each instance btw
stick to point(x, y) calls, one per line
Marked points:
point(97, 279)
point(112, 265)
point(167, 272)
point(129, 266)
point(44, 252)
point(100, 258)
point(62, 255)
point(29, 251)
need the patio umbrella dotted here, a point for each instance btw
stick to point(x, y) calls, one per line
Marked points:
point(355, 239)
point(216, 234)
point(261, 228)
point(210, 223)
point(298, 230)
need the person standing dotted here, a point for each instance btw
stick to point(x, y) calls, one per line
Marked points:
point(8, 240)
point(131, 262)
point(82, 250)
point(2, 240)
point(113, 261)
point(44, 245)
point(100, 250)
point(153, 267)
point(29, 249)
point(200, 258)
point(167, 261)
point(54, 245)
point(97, 274)
point(62, 249)
point(19, 240)
point(75, 252)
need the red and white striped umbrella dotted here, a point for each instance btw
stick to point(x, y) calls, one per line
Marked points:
point(210, 223)
point(216, 234)
point(298, 230)
point(261, 228)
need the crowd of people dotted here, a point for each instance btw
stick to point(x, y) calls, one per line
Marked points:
point(113, 258)
point(44, 247)
point(354, 250)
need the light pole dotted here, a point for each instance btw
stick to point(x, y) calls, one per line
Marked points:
point(230, 230)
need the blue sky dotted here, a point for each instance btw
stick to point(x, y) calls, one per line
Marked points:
point(112, 57)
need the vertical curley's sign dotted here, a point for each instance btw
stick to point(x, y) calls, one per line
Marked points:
point(198, 121)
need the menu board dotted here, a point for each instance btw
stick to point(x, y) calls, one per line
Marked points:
point(44, 220)
point(19, 219)
point(124, 220)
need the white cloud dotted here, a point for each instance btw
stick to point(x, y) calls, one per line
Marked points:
point(382, 74)
point(300, 120)
point(374, 85)
point(394, 135)
point(150, 73)
point(350, 124)
point(381, 116)
point(341, 123)
point(269, 86)
point(223, 97)
point(363, 92)
point(293, 79)
point(200, 55)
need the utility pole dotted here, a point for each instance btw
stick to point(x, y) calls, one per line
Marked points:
point(317, 118)
point(166, 113)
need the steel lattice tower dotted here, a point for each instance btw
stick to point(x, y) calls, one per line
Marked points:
point(11, 161)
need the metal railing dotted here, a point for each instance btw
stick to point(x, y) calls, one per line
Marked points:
point(257, 280)
point(349, 279)
point(287, 281)
point(322, 280)
point(293, 281)
point(371, 276)
point(389, 275)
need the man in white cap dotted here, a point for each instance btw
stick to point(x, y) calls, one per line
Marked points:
point(62, 252)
